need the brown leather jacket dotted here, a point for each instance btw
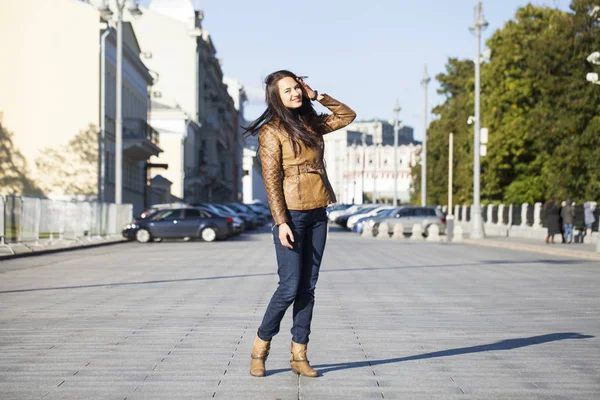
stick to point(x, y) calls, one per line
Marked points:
point(305, 185)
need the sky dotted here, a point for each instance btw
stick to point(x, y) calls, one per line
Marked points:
point(366, 54)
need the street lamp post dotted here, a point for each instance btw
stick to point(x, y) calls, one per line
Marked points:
point(107, 14)
point(425, 84)
point(364, 161)
point(119, 109)
point(374, 199)
point(592, 77)
point(476, 220)
point(396, 129)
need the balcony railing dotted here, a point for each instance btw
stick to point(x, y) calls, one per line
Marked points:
point(136, 127)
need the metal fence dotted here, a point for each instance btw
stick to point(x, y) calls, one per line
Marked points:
point(35, 221)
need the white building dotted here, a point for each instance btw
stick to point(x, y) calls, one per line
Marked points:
point(253, 184)
point(382, 132)
point(189, 81)
point(179, 139)
point(354, 169)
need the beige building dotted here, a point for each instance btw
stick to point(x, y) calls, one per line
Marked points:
point(50, 99)
point(190, 83)
point(354, 169)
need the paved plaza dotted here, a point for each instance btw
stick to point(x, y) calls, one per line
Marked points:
point(393, 320)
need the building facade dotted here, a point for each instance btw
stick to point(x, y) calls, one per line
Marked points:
point(358, 167)
point(190, 79)
point(236, 91)
point(51, 99)
point(382, 132)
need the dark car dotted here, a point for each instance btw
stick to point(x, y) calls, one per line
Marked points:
point(180, 223)
point(250, 219)
point(261, 209)
point(244, 208)
point(149, 212)
point(238, 223)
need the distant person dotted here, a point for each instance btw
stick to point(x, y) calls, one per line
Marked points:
point(291, 145)
point(561, 225)
point(567, 213)
point(552, 220)
point(589, 218)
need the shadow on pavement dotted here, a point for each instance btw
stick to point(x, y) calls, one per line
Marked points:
point(509, 344)
point(324, 271)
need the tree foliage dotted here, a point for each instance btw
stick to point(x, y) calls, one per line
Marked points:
point(541, 113)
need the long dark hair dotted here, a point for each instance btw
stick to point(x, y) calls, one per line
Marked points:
point(293, 121)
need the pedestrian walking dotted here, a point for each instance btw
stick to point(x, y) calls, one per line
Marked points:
point(552, 220)
point(589, 218)
point(567, 213)
point(562, 226)
point(291, 146)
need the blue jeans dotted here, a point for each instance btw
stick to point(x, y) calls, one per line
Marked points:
point(298, 270)
point(568, 232)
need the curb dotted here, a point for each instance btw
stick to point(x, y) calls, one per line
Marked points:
point(43, 251)
point(535, 249)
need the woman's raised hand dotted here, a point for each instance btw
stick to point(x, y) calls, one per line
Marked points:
point(307, 88)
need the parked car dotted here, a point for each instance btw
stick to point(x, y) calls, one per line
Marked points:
point(411, 215)
point(238, 223)
point(342, 220)
point(368, 213)
point(158, 207)
point(381, 214)
point(261, 209)
point(336, 210)
point(244, 208)
point(250, 220)
point(180, 223)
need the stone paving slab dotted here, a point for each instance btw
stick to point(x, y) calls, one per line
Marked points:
point(393, 320)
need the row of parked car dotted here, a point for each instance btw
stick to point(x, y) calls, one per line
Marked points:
point(206, 221)
point(358, 217)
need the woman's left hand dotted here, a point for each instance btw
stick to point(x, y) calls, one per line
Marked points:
point(310, 93)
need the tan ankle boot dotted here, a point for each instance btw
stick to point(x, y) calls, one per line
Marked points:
point(260, 351)
point(299, 362)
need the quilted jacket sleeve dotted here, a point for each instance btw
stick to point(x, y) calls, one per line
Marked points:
point(271, 162)
point(341, 117)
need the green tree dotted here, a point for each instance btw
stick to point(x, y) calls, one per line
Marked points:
point(538, 105)
point(450, 117)
point(541, 113)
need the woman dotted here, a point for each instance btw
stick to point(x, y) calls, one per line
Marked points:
point(552, 220)
point(589, 218)
point(291, 145)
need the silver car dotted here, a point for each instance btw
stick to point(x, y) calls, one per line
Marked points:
point(410, 215)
